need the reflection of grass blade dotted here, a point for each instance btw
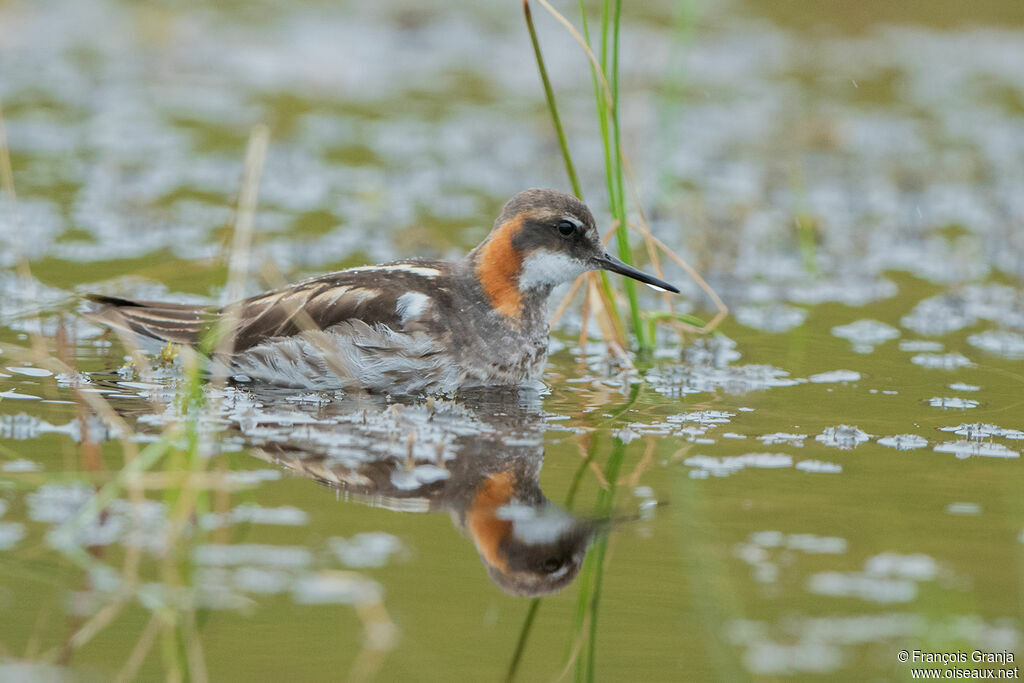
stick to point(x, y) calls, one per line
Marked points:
point(603, 509)
point(591, 578)
point(531, 615)
point(524, 636)
point(549, 95)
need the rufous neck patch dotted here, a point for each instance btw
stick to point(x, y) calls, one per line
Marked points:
point(498, 269)
point(485, 527)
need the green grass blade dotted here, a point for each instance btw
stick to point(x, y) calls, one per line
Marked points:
point(549, 95)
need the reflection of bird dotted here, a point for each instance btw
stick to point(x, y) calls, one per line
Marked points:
point(409, 326)
point(484, 472)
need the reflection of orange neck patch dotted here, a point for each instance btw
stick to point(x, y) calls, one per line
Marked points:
point(483, 524)
point(498, 269)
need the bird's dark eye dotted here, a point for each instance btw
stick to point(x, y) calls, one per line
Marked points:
point(551, 565)
point(566, 228)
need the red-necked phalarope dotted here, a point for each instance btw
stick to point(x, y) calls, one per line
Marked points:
point(413, 326)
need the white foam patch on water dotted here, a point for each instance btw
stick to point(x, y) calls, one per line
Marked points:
point(771, 318)
point(782, 438)
point(11, 534)
point(978, 430)
point(819, 467)
point(865, 335)
point(962, 508)
point(843, 436)
point(342, 588)
point(1004, 344)
point(21, 465)
point(920, 346)
point(421, 475)
point(835, 376)
point(250, 513)
point(369, 549)
point(967, 449)
point(17, 396)
point(252, 554)
point(904, 442)
point(703, 417)
point(952, 403)
point(727, 465)
point(29, 371)
point(915, 566)
point(961, 386)
point(942, 361)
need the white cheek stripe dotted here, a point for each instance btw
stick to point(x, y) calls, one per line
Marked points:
point(411, 304)
point(549, 268)
point(425, 271)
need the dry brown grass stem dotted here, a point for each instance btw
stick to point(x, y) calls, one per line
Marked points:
point(241, 247)
point(651, 242)
point(141, 649)
point(633, 478)
point(723, 310)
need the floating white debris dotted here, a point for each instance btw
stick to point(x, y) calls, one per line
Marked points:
point(856, 585)
point(727, 465)
point(253, 554)
point(937, 316)
point(336, 588)
point(371, 549)
point(835, 376)
point(961, 508)
point(771, 318)
point(819, 467)
point(782, 438)
point(904, 442)
point(681, 380)
point(638, 492)
point(703, 417)
point(960, 386)
point(16, 396)
point(816, 545)
point(920, 346)
point(21, 465)
point(286, 515)
point(865, 335)
point(942, 361)
point(421, 475)
point(10, 534)
point(29, 371)
point(966, 449)
point(915, 566)
point(262, 580)
point(627, 435)
point(978, 430)
point(1005, 344)
point(252, 477)
point(843, 436)
point(953, 402)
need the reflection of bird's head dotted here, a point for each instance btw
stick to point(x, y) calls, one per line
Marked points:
point(529, 550)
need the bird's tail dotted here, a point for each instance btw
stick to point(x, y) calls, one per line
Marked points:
point(178, 323)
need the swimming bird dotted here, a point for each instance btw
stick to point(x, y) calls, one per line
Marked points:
point(406, 327)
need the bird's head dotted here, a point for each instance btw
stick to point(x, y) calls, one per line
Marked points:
point(541, 239)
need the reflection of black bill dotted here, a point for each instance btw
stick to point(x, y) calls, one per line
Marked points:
point(609, 262)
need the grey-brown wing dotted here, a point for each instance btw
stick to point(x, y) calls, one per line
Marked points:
point(373, 296)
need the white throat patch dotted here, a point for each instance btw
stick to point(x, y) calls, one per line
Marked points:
point(549, 268)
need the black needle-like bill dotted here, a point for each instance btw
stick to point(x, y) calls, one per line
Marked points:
point(609, 262)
